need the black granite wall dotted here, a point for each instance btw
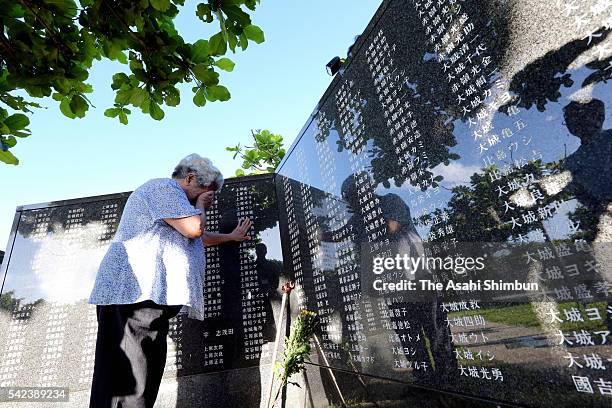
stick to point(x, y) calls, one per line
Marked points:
point(462, 128)
point(48, 330)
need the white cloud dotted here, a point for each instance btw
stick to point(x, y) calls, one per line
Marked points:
point(455, 174)
point(65, 265)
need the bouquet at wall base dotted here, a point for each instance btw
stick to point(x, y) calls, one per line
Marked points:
point(297, 349)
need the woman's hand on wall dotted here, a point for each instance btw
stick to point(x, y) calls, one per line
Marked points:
point(239, 233)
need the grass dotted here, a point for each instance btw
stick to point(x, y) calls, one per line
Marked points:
point(523, 315)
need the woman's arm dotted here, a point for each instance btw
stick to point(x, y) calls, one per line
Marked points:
point(238, 234)
point(190, 227)
point(193, 226)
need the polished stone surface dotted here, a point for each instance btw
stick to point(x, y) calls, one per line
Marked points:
point(48, 331)
point(456, 123)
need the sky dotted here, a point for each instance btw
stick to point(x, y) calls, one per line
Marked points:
point(275, 85)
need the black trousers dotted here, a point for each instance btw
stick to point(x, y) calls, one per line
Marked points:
point(130, 354)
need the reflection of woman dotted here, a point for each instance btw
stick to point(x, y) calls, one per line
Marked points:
point(400, 227)
point(153, 268)
point(423, 314)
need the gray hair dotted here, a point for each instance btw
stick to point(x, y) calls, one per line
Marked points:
point(202, 167)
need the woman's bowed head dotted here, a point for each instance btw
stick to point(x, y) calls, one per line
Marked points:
point(201, 180)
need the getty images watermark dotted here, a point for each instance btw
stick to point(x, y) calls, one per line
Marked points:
point(490, 271)
point(408, 266)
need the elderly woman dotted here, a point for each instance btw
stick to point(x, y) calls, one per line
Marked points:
point(154, 269)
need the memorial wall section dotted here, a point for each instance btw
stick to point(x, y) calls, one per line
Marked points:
point(48, 331)
point(454, 127)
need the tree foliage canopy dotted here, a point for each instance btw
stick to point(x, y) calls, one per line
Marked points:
point(47, 48)
point(263, 157)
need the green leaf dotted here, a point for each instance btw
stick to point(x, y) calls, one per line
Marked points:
point(135, 63)
point(217, 44)
point(244, 42)
point(199, 99)
point(68, 7)
point(65, 108)
point(138, 75)
point(15, 11)
point(251, 155)
point(10, 141)
point(173, 97)
point(114, 51)
point(251, 4)
point(225, 3)
point(118, 80)
point(217, 93)
point(166, 24)
point(21, 133)
point(225, 64)
point(200, 50)
point(155, 111)
point(239, 173)
point(204, 13)
point(205, 75)
point(232, 41)
point(254, 33)
point(236, 14)
point(85, 88)
point(138, 96)
point(78, 105)
point(8, 158)
point(17, 121)
point(160, 5)
point(112, 112)
point(145, 106)
point(123, 96)
point(123, 118)
point(62, 86)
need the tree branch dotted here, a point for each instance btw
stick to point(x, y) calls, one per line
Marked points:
point(6, 45)
point(271, 153)
point(127, 27)
point(60, 44)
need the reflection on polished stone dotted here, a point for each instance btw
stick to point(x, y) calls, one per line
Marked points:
point(48, 331)
point(456, 129)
